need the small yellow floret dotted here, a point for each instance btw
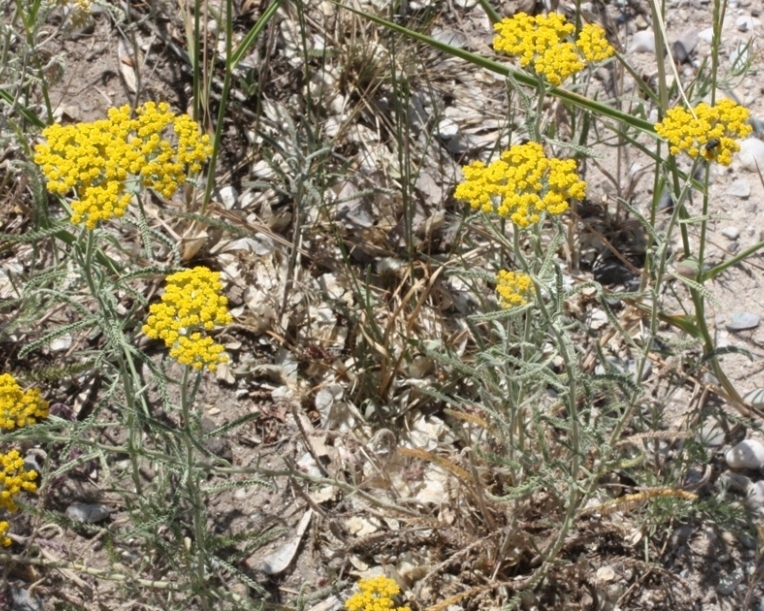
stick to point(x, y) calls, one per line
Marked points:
point(376, 594)
point(191, 306)
point(522, 185)
point(707, 131)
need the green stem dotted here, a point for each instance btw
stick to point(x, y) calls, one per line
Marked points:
point(195, 495)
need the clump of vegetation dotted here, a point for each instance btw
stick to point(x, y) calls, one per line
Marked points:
point(423, 383)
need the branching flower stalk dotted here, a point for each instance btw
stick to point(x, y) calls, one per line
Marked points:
point(707, 133)
point(188, 392)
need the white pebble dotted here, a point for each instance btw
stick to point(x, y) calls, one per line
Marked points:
point(707, 35)
point(744, 23)
point(748, 454)
point(755, 495)
point(643, 42)
point(228, 196)
point(751, 154)
point(447, 128)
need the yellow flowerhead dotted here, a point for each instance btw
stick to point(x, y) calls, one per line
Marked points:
point(190, 307)
point(14, 479)
point(708, 131)
point(105, 161)
point(544, 44)
point(79, 11)
point(522, 184)
point(5, 541)
point(513, 288)
point(19, 408)
point(376, 594)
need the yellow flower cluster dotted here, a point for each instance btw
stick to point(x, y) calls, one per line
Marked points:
point(191, 305)
point(513, 288)
point(104, 161)
point(14, 479)
point(376, 594)
point(707, 131)
point(19, 408)
point(79, 11)
point(544, 44)
point(593, 44)
point(522, 184)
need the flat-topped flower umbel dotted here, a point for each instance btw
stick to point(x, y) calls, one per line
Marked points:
point(19, 408)
point(544, 44)
point(191, 306)
point(522, 184)
point(106, 161)
point(706, 131)
point(377, 594)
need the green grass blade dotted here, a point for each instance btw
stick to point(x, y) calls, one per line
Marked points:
point(252, 35)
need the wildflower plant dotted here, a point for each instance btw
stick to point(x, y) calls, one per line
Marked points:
point(532, 350)
point(102, 167)
point(5, 540)
point(530, 393)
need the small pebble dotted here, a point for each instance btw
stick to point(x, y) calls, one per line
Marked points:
point(605, 573)
point(666, 202)
point(681, 535)
point(447, 128)
point(22, 599)
point(87, 513)
point(742, 321)
point(740, 188)
point(755, 495)
point(711, 435)
point(707, 35)
point(643, 42)
point(744, 23)
point(229, 197)
point(755, 398)
point(728, 583)
point(748, 454)
point(682, 47)
point(751, 154)
point(731, 233)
